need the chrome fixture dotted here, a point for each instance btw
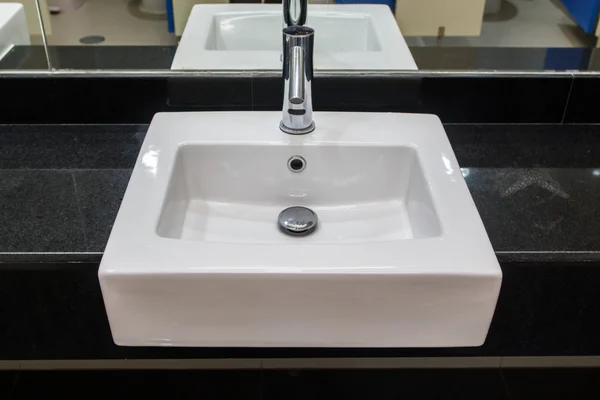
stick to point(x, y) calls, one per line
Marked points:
point(294, 12)
point(297, 221)
point(298, 44)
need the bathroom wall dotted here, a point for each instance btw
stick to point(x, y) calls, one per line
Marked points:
point(456, 17)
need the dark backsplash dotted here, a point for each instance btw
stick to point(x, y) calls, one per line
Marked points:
point(91, 98)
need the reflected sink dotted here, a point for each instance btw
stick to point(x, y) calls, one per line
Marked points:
point(13, 27)
point(399, 257)
point(248, 36)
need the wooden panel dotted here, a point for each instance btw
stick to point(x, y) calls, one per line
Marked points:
point(424, 17)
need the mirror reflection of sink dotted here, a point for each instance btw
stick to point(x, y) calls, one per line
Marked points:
point(248, 36)
point(338, 33)
point(399, 256)
point(13, 27)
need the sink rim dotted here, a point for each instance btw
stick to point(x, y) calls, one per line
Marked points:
point(134, 246)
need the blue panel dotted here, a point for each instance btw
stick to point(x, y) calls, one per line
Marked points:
point(565, 59)
point(585, 12)
point(171, 18)
point(390, 3)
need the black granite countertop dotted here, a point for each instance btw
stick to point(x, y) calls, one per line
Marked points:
point(537, 188)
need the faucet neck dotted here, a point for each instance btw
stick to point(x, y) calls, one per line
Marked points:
point(298, 44)
point(294, 12)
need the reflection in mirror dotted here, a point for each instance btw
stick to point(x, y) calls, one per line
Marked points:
point(22, 35)
point(351, 35)
point(248, 36)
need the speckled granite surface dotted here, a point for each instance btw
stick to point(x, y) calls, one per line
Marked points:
point(537, 187)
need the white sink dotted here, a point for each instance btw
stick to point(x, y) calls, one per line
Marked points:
point(248, 36)
point(399, 258)
point(230, 193)
point(13, 27)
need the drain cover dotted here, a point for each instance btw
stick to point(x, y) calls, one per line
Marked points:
point(297, 221)
point(92, 39)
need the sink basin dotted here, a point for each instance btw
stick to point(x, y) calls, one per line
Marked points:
point(248, 36)
point(13, 27)
point(399, 257)
point(230, 193)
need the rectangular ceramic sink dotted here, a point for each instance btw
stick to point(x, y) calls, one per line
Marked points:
point(248, 36)
point(399, 257)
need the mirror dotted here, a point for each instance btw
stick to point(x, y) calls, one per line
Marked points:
point(350, 35)
point(22, 34)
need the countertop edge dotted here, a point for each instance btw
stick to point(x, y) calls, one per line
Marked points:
point(9, 260)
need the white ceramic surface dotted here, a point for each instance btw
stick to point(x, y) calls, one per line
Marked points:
point(13, 27)
point(230, 193)
point(400, 257)
point(248, 36)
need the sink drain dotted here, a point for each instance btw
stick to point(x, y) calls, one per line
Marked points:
point(297, 221)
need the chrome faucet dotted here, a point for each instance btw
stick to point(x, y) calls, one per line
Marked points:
point(294, 12)
point(298, 44)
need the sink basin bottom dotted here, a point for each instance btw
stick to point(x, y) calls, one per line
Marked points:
point(226, 222)
point(234, 193)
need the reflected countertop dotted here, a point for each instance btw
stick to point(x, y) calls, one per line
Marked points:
point(427, 58)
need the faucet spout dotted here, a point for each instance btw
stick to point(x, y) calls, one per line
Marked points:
point(298, 44)
point(297, 89)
